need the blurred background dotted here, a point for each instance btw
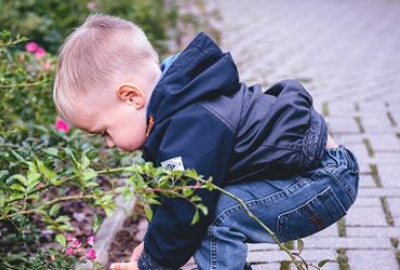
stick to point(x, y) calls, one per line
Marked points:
point(345, 53)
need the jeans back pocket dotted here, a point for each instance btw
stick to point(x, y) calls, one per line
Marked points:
point(312, 216)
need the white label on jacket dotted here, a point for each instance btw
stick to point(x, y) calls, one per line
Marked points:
point(173, 164)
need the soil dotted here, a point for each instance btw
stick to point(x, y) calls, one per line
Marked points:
point(126, 239)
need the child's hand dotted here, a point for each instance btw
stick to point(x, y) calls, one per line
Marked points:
point(331, 143)
point(137, 252)
point(132, 265)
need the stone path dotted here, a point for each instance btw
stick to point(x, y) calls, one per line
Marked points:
point(347, 54)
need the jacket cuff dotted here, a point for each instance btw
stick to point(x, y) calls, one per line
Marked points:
point(315, 140)
point(146, 262)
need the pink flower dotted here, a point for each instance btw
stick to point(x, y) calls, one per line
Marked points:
point(40, 52)
point(31, 46)
point(75, 243)
point(70, 237)
point(47, 65)
point(91, 254)
point(61, 125)
point(70, 251)
point(90, 240)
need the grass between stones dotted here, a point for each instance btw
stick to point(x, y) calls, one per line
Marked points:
point(395, 242)
point(386, 210)
point(341, 225)
point(359, 124)
point(391, 119)
point(342, 259)
point(375, 175)
point(369, 147)
point(325, 109)
point(398, 257)
point(285, 265)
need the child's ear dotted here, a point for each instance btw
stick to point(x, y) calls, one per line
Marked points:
point(132, 94)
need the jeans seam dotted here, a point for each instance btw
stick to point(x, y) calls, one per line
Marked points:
point(344, 186)
point(302, 182)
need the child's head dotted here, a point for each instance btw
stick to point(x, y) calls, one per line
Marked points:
point(106, 72)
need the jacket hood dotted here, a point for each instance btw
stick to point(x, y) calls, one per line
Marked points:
point(200, 71)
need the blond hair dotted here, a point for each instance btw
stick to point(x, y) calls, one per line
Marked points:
point(96, 55)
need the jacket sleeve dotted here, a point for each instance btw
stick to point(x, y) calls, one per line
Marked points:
point(299, 142)
point(205, 144)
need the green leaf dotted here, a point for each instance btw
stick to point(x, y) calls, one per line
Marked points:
point(148, 212)
point(300, 245)
point(51, 151)
point(48, 174)
point(20, 178)
point(85, 162)
point(187, 192)
point(17, 187)
point(96, 222)
point(15, 196)
point(54, 209)
point(60, 238)
point(196, 218)
point(89, 174)
point(3, 174)
point(322, 263)
point(203, 209)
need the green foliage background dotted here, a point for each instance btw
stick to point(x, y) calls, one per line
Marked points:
point(48, 22)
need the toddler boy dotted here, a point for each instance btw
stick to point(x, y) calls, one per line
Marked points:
point(270, 148)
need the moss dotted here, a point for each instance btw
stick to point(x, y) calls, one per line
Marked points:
point(395, 242)
point(375, 175)
point(285, 265)
point(342, 259)
point(359, 123)
point(388, 214)
point(341, 225)
point(325, 109)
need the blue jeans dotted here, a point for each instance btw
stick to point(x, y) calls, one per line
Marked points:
point(292, 208)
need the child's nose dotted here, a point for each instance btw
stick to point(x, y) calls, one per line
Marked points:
point(109, 142)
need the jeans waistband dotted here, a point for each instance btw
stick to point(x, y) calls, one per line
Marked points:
point(340, 156)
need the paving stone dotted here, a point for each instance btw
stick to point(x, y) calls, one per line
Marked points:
point(367, 202)
point(387, 157)
point(361, 216)
point(389, 175)
point(375, 124)
point(269, 266)
point(366, 180)
point(384, 143)
point(278, 256)
point(372, 259)
point(328, 266)
point(374, 232)
point(352, 81)
point(342, 125)
point(378, 192)
point(347, 242)
point(394, 206)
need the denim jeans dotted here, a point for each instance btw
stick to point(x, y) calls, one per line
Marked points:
point(292, 208)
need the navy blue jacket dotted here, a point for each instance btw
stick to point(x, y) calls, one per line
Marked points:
point(225, 129)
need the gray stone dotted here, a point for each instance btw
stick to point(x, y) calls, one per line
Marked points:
point(372, 259)
point(366, 181)
point(371, 216)
point(373, 232)
point(346, 242)
point(389, 175)
point(367, 202)
point(269, 266)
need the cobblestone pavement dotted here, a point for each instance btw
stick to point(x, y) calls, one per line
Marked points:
point(347, 55)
